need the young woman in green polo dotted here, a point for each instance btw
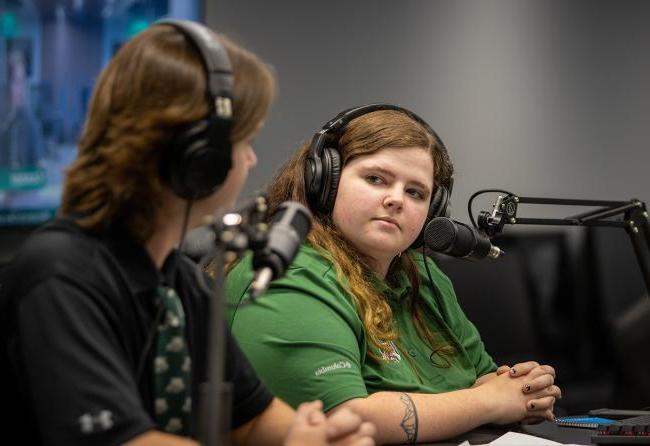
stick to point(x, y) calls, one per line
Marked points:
point(358, 321)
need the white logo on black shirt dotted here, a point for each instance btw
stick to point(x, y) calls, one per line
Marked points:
point(102, 421)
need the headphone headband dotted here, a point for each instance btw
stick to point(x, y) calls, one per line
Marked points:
point(330, 132)
point(344, 117)
point(215, 62)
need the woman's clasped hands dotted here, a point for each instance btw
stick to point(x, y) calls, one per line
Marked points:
point(525, 393)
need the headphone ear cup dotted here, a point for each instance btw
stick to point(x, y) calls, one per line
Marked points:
point(439, 207)
point(195, 164)
point(313, 178)
point(439, 204)
point(331, 177)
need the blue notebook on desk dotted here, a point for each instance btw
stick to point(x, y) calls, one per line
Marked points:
point(582, 422)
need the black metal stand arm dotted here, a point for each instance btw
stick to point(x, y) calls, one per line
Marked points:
point(634, 220)
point(215, 393)
point(235, 232)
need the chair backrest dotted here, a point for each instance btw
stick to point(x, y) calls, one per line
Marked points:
point(523, 302)
point(615, 270)
point(624, 307)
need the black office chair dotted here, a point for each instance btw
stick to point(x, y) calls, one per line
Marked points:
point(620, 296)
point(528, 305)
point(494, 296)
point(631, 340)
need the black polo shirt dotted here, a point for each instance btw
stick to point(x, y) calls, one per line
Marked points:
point(77, 311)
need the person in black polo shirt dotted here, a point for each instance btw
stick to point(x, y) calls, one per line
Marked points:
point(98, 306)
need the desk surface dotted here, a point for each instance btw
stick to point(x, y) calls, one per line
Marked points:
point(548, 430)
point(551, 431)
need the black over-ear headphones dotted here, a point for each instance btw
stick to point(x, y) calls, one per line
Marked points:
point(198, 157)
point(323, 164)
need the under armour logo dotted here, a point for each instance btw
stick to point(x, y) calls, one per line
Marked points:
point(100, 422)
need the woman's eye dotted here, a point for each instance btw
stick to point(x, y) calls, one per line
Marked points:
point(374, 179)
point(416, 194)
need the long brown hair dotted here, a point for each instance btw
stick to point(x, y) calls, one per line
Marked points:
point(362, 136)
point(155, 84)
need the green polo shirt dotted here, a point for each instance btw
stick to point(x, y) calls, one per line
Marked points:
point(306, 340)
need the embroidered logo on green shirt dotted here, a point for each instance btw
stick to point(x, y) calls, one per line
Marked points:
point(328, 368)
point(391, 354)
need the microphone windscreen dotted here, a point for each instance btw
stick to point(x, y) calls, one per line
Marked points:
point(439, 235)
point(289, 227)
point(450, 237)
point(294, 215)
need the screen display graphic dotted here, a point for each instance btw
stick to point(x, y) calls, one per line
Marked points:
point(51, 52)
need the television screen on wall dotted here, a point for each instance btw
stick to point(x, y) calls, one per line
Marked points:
point(51, 52)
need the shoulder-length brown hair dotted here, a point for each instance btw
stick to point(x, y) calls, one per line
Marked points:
point(366, 135)
point(155, 84)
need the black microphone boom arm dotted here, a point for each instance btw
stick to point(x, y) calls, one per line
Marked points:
point(635, 220)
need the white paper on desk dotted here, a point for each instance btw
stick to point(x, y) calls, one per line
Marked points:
point(517, 439)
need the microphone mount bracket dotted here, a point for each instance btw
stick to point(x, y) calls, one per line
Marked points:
point(242, 229)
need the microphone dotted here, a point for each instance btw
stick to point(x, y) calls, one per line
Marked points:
point(289, 227)
point(457, 239)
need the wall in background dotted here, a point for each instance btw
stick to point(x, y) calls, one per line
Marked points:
point(544, 98)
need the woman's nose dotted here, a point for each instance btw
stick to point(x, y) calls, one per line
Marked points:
point(394, 200)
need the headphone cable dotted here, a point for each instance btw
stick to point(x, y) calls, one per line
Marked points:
point(147, 345)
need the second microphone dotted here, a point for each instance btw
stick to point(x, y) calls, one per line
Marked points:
point(457, 239)
point(289, 227)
